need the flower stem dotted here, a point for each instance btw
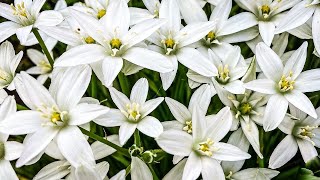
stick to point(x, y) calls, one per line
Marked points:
point(104, 141)
point(155, 177)
point(137, 140)
point(43, 46)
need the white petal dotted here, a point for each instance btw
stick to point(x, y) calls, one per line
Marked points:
point(192, 168)
point(235, 87)
point(54, 170)
point(307, 150)
point(71, 137)
point(196, 14)
point(267, 31)
point(139, 170)
point(13, 150)
point(222, 11)
point(8, 28)
point(275, 111)
point(118, 17)
point(141, 57)
point(119, 176)
point(69, 94)
point(287, 124)
point(194, 32)
point(84, 113)
point(48, 18)
point(111, 66)
point(6, 171)
point(316, 29)
point(119, 99)
point(255, 173)
point(22, 122)
point(150, 126)
point(298, 15)
point(178, 110)
point(227, 152)
point(83, 54)
point(175, 142)
point(251, 131)
point(249, 5)
point(265, 86)
point(308, 81)
point(111, 119)
point(8, 107)
point(285, 151)
point(220, 125)
point(168, 78)
point(37, 143)
point(101, 150)
point(84, 172)
point(139, 91)
point(65, 35)
point(149, 106)
point(36, 7)
point(302, 102)
point(23, 33)
point(201, 98)
point(125, 132)
point(296, 62)
point(202, 65)
point(7, 12)
point(211, 169)
point(269, 62)
point(138, 15)
point(176, 172)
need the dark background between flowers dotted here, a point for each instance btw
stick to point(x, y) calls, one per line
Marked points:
point(294, 169)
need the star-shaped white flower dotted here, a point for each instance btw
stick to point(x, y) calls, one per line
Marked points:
point(24, 15)
point(54, 114)
point(133, 113)
point(285, 83)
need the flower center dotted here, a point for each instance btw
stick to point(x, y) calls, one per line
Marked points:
point(101, 13)
point(89, 40)
point(169, 45)
point(188, 127)
point(210, 37)
point(245, 108)
point(5, 77)
point(265, 9)
point(205, 148)
point(223, 74)
point(115, 43)
point(286, 83)
point(54, 115)
point(45, 66)
point(305, 132)
point(2, 150)
point(19, 10)
point(133, 112)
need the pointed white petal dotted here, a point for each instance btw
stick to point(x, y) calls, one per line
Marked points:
point(285, 151)
point(296, 62)
point(195, 15)
point(6, 171)
point(139, 170)
point(13, 150)
point(178, 110)
point(150, 105)
point(175, 142)
point(176, 172)
point(48, 18)
point(150, 126)
point(192, 168)
point(251, 131)
point(302, 102)
point(275, 111)
point(84, 113)
point(267, 31)
point(119, 99)
point(307, 150)
point(8, 28)
point(113, 118)
point(238, 23)
point(308, 81)
point(265, 86)
point(125, 132)
point(139, 91)
point(227, 152)
point(117, 19)
point(23, 33)
point(316, 29)
point(54, 170)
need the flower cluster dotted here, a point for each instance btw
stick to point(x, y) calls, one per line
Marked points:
point(247, 69)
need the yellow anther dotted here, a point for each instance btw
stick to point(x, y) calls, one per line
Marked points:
point(205, 147)
point(45, 65)
point(133, 112)
point(115, 43)
point(101, 13)
point(286, 83)
point(55, 117)
point(223, 73)
point(188, 127)
point(245, 108)
point(211, 36)
point(169, 43)
point(89, 40)
point(19, 10)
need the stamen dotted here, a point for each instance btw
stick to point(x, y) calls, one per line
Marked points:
point(115, 43)
point(206, 148)
point(286, 83)
point(223, 74)
point(245, 108)
point(101, 13)
point(265, 9)
point(133, 112)
point(188, 127)
point(89, 40)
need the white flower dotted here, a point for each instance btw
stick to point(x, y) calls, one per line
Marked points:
point(42, 68)
point(268, 14)
point(8, 65)
point(299, 15)
point(3, 95)
point(303, 133)
point(54, 114)
point(132, 113)
point(62, 168)
point(230, 68)
point(115, 44)
point(138, 15)
point(285, 83)
point(23, 16)
point(238, 28)
point(9, 150)
point(254, 173)
point(173, 40)
point(203, 148)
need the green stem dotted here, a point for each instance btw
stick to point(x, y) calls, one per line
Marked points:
point(94, 86)
point(104, 141)
point(155, 177)
point(43, 46)
point(137, 140)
